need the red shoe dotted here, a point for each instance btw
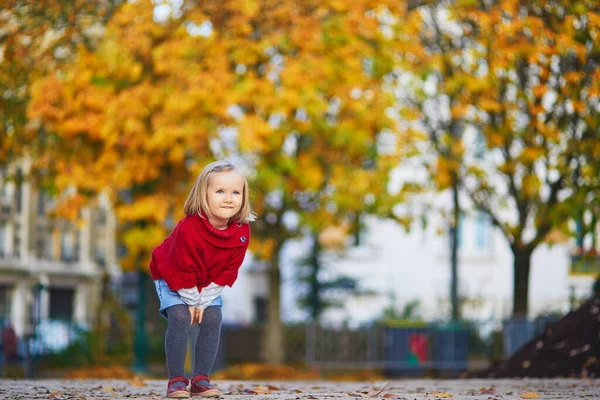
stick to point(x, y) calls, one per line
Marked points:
point(177, 388)
point(204, 390)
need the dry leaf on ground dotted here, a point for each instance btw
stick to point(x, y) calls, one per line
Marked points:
point(137, 381)
point(530, 395)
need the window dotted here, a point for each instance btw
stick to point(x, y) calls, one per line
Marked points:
point(260, 309)
point(4, 303)
point(3, 239)
point(99, 243)
point(61, 304)
point(17, 240)
point(19, 190)
point(67, 246)
point(41, 205)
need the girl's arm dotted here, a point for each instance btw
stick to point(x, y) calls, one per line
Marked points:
point(190, 296)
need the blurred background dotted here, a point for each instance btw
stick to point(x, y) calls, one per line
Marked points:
point(425, 174)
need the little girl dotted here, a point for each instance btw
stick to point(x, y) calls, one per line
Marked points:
point(191, 267)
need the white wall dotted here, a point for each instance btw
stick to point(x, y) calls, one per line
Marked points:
point(416, 265)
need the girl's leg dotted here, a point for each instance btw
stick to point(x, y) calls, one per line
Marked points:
point(207, 343)
point(176, 339)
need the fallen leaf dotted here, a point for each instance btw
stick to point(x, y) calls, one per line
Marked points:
point(297, 391)
point(529, 395)
point(137, 381)
point(441, 394)
point(389, 395)
point(272, 387)
point(262, 390)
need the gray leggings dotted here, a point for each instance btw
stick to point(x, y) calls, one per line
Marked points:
point(207, 343)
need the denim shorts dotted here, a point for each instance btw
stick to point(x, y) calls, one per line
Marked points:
point(169, 298)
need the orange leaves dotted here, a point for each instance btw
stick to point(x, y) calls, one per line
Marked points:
point(150, 208)
point(254, 134)
point(140, 242)
point(311, 172)
point(489, 105)
point(262, 248)
point(529, 395)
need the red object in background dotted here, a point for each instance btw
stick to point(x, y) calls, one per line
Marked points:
point(9, 342)
point(417, 345)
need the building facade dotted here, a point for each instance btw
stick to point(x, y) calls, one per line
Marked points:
point(50, 269)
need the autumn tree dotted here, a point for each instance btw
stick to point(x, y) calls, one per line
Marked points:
point(37, 38)
point(523, 79)
point(310, 108)
point(433, 63)
point(294, 92)
point(125, 121)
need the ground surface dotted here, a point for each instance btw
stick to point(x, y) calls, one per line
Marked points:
point(476, 389)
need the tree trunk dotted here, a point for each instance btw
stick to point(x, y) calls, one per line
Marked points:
point(315, 287)
point(522, 264)
point(455, 305)
point(272, 345)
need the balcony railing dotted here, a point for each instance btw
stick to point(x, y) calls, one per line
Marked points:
point(585, 265)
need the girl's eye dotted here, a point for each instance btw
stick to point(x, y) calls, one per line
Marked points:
point(219, 191)
point(236, 192)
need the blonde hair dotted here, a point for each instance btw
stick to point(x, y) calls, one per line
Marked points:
point(197, 203)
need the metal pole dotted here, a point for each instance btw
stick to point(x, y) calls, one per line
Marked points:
point(140, 364)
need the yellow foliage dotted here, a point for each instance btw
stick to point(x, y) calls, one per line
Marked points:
point(69, 207)
point(334, 236)
point(150, 208)
point(254, 134)
point(262, 248)
point(489, 105)
point(443, 173)
point(310, 172)
point(140, 242)
point(531, 186)
point(531, 154)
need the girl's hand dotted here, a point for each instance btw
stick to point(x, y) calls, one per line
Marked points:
point(199, 313)
point(194, 314)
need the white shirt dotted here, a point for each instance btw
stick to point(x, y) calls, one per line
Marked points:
point(203, 299)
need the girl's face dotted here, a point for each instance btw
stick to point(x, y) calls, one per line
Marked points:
point(225, 194)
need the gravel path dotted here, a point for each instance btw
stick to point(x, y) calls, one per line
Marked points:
point(481, 389)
